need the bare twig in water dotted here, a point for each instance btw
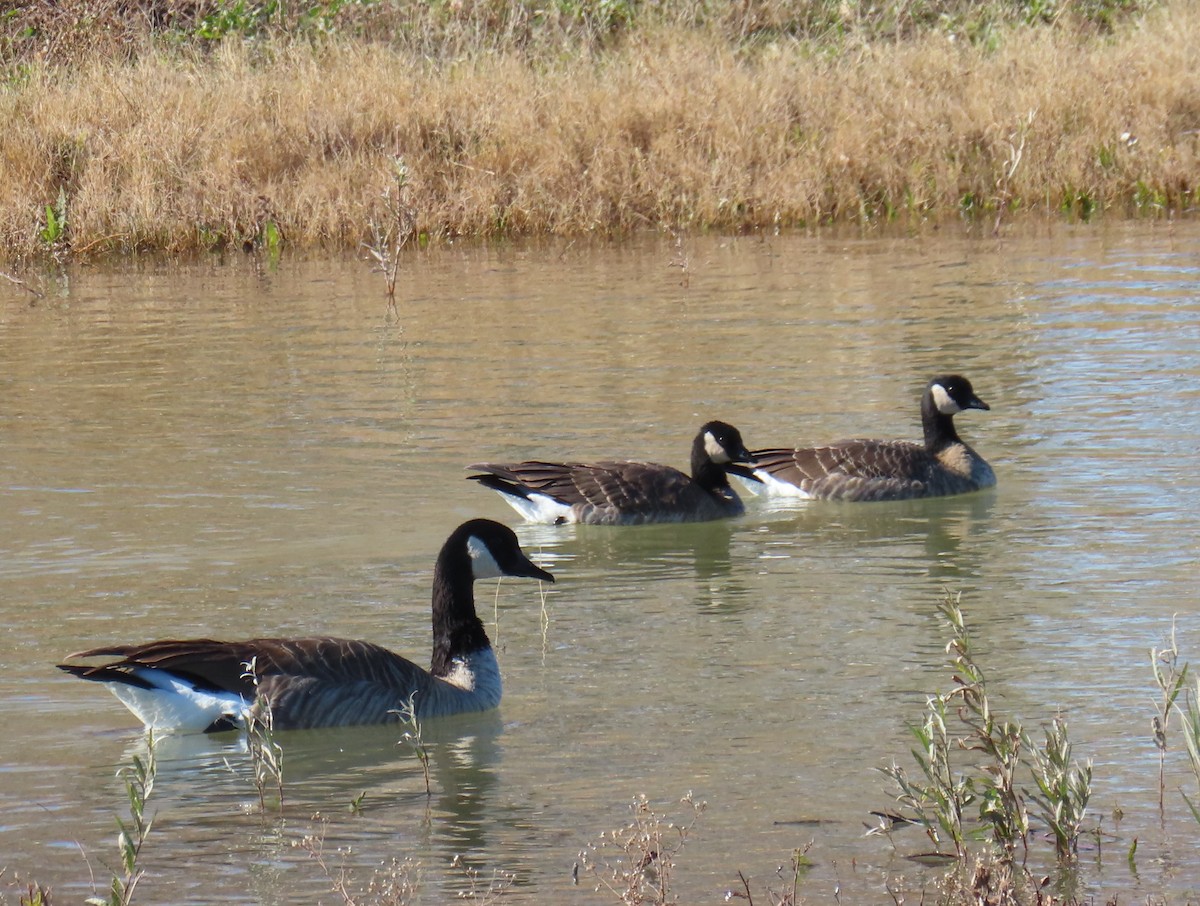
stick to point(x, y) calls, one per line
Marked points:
point(21, 283)
point(407, 713)
point(399, 229)
point(635, 862)
point(681, 260)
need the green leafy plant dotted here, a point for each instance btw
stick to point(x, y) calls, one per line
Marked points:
point(266, 755)
point(940, 802)
point(239, 18)
point(971, 764)
point(272, 237)
point(1063, 788)
point(1176, 696)
point(35, 895)
point(138, 777)
point(1170, 677)
point(54, 231)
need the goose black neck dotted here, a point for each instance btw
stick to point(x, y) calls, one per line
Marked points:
point(705, 472)
point(457, 629)
point(939, 428)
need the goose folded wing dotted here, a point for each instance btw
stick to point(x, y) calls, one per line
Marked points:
point(865, 459)
point(230, 666)
point(633, 487)
point(601, 484)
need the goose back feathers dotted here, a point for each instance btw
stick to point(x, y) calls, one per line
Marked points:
point(625, 492)
point(204, 685)
point(863, 470)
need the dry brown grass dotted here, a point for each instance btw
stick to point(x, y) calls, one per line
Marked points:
point(182, 150)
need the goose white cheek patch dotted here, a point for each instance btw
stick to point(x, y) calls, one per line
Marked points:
point(944, 402)
point(714, 449)
point(483, 564)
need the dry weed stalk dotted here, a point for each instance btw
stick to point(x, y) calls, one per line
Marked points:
point(266, 755)
point(476, 890)
point(786, 895)
point(399, 226)
point(23, 285)
point(1016, 151)
point(338, 876)
point(413, 738)
point(398, 881)
point(544, 620)
point(636, 862)
point(1190, 714)
point(681, 260)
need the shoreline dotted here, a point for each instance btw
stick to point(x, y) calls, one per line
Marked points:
point(318, 148)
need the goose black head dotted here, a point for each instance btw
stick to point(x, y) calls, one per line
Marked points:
point(494, 551)
point(722, 444)
point(952, 393)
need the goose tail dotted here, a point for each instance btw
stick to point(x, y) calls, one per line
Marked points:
point(534, 506)
point(164, 702)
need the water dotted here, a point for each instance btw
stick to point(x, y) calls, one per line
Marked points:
point(236, 450)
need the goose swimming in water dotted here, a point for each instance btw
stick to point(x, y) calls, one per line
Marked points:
point(202, 685)
point(625, 492)
point(883, 469)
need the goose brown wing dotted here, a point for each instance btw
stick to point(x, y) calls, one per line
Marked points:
point(212, 665)
point(336, 682)
point(554, 479)
point(302, 678)
point(623, 485)
point(852, 469)
point(635, 487)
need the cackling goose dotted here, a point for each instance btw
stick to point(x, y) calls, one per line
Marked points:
point(623, 492)
point(883, 469)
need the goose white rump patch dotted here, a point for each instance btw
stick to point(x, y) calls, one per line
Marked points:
point(770, 486)
point(539, 508)
point(174, 705)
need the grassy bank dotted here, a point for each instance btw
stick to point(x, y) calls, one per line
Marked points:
point(190, 128)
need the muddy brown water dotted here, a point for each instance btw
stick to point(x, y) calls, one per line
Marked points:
point(234, 449)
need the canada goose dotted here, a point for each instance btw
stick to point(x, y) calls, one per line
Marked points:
point(623, 492)
point(884, 469)
point(198, 685)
